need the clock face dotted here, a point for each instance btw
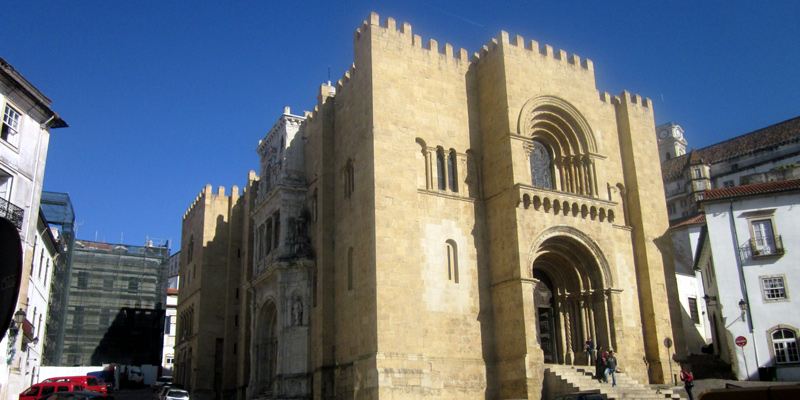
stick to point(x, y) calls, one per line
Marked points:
point(663, 134)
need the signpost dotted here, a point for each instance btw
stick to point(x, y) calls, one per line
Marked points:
point(668, 345)
point(741, 341)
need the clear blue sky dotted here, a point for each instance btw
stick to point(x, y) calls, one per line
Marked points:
point(165, 96)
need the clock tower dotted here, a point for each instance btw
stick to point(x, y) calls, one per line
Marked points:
point(671, 142)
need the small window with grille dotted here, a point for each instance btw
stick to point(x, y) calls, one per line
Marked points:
point(773, 288)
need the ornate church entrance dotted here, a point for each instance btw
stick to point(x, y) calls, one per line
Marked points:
point(266, 346)
point(571, 299)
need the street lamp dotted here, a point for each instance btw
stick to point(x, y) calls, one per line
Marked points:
point(743, 307)
point(19, 318)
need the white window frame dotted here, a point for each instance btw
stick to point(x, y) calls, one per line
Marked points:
point(785, 346)
point(6, 184)
point(13, 136)
point(763, 280)
point(763, 238)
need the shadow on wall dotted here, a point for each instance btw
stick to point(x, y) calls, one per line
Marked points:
point(10, 272)
point(135, 337)
point(475, 188)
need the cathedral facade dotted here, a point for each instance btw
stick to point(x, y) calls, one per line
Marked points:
point(445, 226)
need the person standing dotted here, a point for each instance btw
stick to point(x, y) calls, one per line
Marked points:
point(688, 380)
point(600, 365)
point(611, 367)
point(589, 349)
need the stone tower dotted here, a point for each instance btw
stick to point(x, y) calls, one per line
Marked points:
point(671, 142)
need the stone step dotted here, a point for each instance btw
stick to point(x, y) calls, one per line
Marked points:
point(581, 378)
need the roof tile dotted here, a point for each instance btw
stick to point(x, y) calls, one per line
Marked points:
point(751, 190)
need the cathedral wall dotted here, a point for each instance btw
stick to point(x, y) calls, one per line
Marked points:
point(429, 311)
point(340, 171)
point(206, 227)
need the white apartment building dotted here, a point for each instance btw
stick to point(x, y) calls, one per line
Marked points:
point(24, 137)
point(46, 250)
point(170, 319)
point(751, 277)
point(767, 154)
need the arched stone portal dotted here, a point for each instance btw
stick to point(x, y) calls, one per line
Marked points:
point(266, 346)
point(571, 299)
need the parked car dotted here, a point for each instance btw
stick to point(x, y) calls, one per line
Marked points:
point(40, 391)
point(162, 381)
point(91, 383)
point(81, 395)
point(176, 394)
point(162, 392)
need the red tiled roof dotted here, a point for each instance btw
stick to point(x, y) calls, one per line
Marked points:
point(697, 219)
point(751, 190)
point(758, 140)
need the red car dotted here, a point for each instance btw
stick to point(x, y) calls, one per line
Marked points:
point(42, 390)
point(89, 382)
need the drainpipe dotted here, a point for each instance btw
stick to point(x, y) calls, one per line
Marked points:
point(740, 269)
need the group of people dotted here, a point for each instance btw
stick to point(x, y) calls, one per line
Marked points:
point(605, 363)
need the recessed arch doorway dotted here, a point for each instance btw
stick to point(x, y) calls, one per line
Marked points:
point(571, 298)
point(266, 348)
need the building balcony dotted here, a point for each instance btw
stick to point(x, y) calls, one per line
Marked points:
point(566, 204)
point(767, 250)
point(12, 213)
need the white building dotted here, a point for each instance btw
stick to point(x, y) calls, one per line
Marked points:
point(24, 137)
point(751, 276)
point(170, 320)
point(694, 316)
point(45, 254)
point(766, 154)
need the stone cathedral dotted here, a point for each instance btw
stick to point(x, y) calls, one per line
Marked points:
point(442, 225)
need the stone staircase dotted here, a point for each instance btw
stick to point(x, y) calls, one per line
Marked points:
point(563, 379)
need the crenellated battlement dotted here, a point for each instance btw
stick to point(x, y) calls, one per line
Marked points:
point(606, 97)
point(634, 98)
point(542, 49)
point(389, 24)
point(208, 195)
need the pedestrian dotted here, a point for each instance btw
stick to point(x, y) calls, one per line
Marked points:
point(688, 380)
point(589, 349)
point(611, 367)
point(600, 365)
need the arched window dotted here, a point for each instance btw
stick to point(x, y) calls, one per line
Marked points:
point(440, 174)
point(452, 172)
point(784, 343)
point(452, 260)
point(541, 165)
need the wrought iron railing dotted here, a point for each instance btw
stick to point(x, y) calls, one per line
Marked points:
point(770, 248)
point(12, 213)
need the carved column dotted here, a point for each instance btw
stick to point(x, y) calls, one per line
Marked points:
point(568, 330)
point(590, 313)
point(582, 313)
point(573, 172)
point(559, 162)
point(606, 312)
point(428, 169)
point(587, 175)
point(594, 177)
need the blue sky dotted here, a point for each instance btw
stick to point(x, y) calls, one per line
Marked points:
point(165, 96)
